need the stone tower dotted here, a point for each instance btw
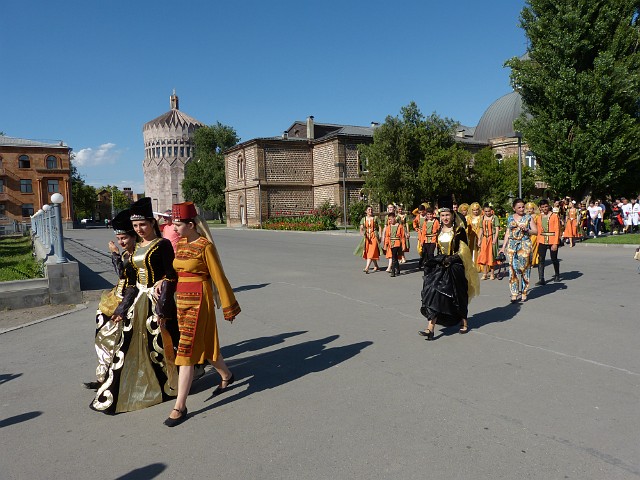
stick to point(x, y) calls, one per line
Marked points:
point(168, 147)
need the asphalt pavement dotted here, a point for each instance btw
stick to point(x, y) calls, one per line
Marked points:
point(333, 382)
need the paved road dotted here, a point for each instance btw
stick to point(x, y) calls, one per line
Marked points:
point(334, 382)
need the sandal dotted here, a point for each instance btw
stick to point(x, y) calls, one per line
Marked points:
point(464, 330)
point(492, 277)
point(514, 298)
point(483, 277)
point(523, 297)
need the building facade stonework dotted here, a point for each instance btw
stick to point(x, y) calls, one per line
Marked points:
point(168, 146)
point(294, 173)
point(30, 172)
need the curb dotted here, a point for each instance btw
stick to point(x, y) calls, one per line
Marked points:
point(77, 308)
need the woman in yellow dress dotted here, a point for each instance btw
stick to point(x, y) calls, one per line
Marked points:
point(202, 285)
point(533, 210)
point(474, 227)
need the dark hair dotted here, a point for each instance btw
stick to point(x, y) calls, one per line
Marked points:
point(517, 201)
point(429, 209)
point(486, 205)
point(544, 201)
point(391, 214)
point(422, 207)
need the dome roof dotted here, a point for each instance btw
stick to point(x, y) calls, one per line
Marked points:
point(497, 120)
point(173, 118)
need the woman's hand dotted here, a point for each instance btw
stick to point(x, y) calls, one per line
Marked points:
point(157, 289)
point(113, 248)
point(116, 319)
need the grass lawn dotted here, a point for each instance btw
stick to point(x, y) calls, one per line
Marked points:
point(16, 260)
point(629, 238)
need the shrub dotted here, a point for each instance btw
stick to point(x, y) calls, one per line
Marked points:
point(357, 210)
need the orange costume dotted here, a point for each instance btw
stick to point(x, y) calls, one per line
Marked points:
point(371, 242)
point(488, 244)
point(571, 229)
point(548, 229)
point(393, 237)
point(429, 231)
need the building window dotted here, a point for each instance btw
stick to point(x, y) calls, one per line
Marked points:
point(53, 186)
point(25, 186)
point(24, 162)
point(1, 185)
point(363, 163)
point(52, 162)
point(182, 151)
point(241, 167)
point(27, 209)
point(164, 152)
point(530, 160)
point(3, 209)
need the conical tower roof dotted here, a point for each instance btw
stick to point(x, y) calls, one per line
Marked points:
point(173, 118)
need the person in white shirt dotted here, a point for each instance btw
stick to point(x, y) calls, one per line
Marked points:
point(635, 214)
point(594, 213)
point(626, 214)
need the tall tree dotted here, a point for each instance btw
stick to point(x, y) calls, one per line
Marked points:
point(581, 85)
point(120, 200)
point(413, 158)
point(204, 177)
point(83, 196)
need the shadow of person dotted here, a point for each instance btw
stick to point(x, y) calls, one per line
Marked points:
point(572, 275)
point(144, 473)
point(543, 290)
point(23, 417)
point(250, 287)
point(7, 377)
point(274, 369)
point(494, 315)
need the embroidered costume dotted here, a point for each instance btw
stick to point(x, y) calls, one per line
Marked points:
point(369, 246)
point(198, 266)
point(474, 226)
point(571, 227)
point(548, 227)
point(488, 244)
point(394, 245)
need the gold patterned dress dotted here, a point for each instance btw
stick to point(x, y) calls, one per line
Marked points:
point(199, 271)
point(139, 375)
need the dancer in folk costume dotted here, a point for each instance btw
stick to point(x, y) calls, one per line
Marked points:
point(114, 302)
point(394, 243)
point(142, 372)
point(450, 277)
point(571, 224)
point(202, 285)
point(488, 241)
point(549, 227)
point(403, 219)
point(517, 244)
point(474, 225)
point(391, 208)
point(369, 246)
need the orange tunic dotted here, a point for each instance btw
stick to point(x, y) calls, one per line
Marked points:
point(397, 240)
point(197, 265)
point(548, 229)
point(488, 249)
point(371, 243)
point(571, 229)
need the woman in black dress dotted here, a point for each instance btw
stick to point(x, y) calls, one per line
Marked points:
point(141, 374)
point(450, 278)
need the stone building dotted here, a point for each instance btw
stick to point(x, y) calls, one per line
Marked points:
point(168, 147)
point(30, 172)
point(294, 173)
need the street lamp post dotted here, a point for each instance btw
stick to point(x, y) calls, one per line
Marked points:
point(519, 137)
point(257, 179)
point(58, 246)
point(113, 202)
point(48, 229)
point(343, 169)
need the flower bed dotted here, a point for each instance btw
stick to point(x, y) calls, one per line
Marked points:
point(322, 218)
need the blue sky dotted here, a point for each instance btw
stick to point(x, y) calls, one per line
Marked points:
point(92, 73)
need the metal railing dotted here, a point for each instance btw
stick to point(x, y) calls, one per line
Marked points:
point(47, 227)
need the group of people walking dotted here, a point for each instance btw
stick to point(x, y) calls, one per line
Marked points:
point(459, 246)
point(159, 322)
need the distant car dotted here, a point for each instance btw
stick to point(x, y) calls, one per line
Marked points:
point(86, 220)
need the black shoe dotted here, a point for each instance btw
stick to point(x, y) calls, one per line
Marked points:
point(556, 278)
point(541, 282)
point(174, 422)
point(220, 389)
point(392, 274)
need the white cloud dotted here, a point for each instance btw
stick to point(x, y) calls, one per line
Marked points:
point(105, 154)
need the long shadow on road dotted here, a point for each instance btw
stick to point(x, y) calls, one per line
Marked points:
point(274, 369)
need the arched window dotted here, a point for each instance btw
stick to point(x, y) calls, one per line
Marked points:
point(241, 167)
point(24, 162)
point(52, 162)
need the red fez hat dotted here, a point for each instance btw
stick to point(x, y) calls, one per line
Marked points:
point(183, 211)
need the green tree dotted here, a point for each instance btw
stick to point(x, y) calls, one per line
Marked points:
point(120, 200)
point(581, 85)
point(413, 157)
point(204, 177)
point(84, 197)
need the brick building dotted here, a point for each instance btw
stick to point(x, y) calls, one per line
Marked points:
point(30, 172)
point(294, 173)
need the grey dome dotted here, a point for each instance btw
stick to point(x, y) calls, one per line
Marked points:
point(497, 120)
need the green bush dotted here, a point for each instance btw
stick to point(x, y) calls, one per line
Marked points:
point(16, 260)
point(357, 211)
